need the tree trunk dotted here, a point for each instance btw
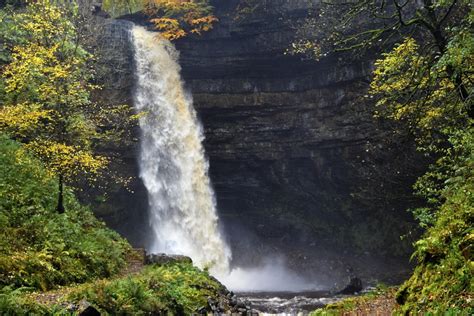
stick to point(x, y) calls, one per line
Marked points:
point(60, 207)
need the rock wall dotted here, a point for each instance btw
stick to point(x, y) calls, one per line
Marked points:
point(289, 140)
point(124, 208)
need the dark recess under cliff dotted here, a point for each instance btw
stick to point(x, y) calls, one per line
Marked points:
point(299, 165)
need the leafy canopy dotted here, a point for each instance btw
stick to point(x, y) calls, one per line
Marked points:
point(46, 104)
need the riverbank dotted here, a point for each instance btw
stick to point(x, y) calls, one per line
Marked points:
point(176, 288)
point(379, 301)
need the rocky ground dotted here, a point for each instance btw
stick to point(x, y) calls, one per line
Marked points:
point(378, 303)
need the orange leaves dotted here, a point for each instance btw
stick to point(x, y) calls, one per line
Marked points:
point(178, 18)
point(169, 28)
point(203, 24)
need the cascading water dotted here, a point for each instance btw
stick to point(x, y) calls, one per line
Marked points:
point(173, 166)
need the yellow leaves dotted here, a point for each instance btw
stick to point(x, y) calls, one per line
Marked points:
point(43, 74)
point(68, 160)
point(395, 71)
point(44, 21)
point(411, 87)
point(47, 105)
point(22, 119)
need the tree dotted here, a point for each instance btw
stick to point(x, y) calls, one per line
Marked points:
point(338, 26)
point(46, 103)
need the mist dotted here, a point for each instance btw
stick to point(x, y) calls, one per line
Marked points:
point(271, 276)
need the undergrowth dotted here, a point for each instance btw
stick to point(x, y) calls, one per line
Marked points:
point(176, 289)
point(443, 279)
point(171, 289)
point(40, 248)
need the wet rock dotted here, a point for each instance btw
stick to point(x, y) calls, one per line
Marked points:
point(90, 311)
point(354, 286)
point(202, 310)
point(162, 258)
point(84, 308)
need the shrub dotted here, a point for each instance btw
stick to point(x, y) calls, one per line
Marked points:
point(176, 289)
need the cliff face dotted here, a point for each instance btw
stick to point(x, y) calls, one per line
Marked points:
point(297, 161)
point(290, 141)
point(124, 208)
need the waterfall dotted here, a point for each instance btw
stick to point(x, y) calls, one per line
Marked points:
point(172, 162)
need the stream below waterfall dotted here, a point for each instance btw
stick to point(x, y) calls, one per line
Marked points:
point(287, 303)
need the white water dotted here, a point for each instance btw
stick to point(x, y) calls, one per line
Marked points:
point(173, 166)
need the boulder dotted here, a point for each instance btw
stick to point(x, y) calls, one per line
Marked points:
point(162, 258)
point(354, 286)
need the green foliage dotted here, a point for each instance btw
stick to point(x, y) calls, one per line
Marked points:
point(46, 96)
point(45, 93)
point(443, 279)
point(431, 92)
point(412, 87)
point(38, 247)
point(177, 289)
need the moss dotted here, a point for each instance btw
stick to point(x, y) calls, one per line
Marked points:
point(443, 279)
